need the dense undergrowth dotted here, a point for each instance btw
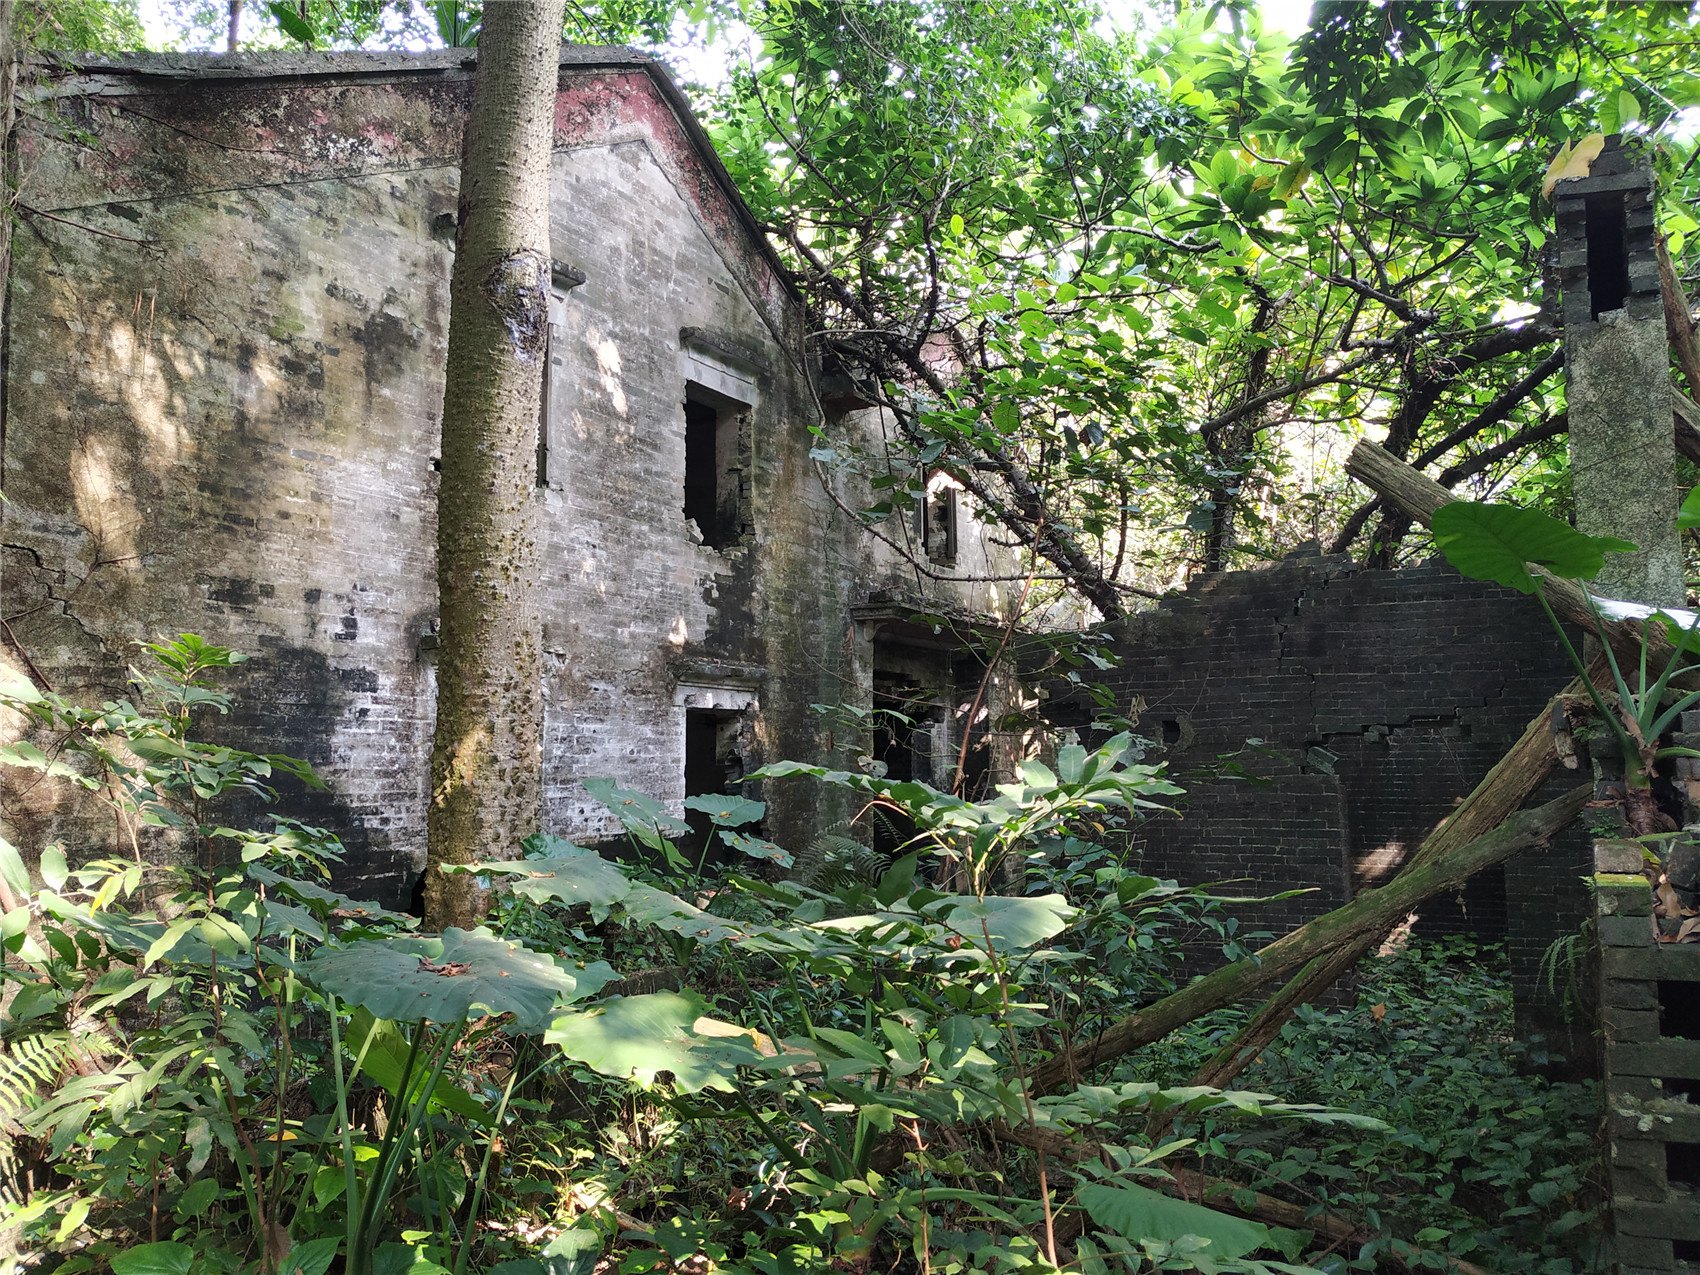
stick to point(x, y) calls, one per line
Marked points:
point(1485, 1156)
point(215, 1062)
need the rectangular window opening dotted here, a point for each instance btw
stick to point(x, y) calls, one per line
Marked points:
point(548, 467)
point(715, 465)
point(1682, 1164)
point(1686, 1090)
point(714, 764)
point(1679, 1009)
point(938, 519)
point(1608, 254)
point(1686, 1251)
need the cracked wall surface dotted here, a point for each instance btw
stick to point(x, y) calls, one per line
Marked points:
point(1378, 700)
point(223, 380)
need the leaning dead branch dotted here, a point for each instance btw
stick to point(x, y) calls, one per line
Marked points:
point(1419, 496)
point(1371, 913)
point(1511, 782)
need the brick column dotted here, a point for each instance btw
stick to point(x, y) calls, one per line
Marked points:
point(1650, 1009)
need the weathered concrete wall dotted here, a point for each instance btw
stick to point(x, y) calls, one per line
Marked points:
point(1378, 700)
point(223, 380)
point(1622, 466)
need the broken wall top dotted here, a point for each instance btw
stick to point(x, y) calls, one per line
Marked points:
point(162, 124)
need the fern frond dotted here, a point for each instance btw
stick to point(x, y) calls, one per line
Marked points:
point(29, 1067)
point(838, 861)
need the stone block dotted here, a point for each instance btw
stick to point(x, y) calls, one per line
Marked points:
point(1618, 894)
point(1635, 1089)
point(1674, 1219)
point(1682, 865)
point(1629, 993)
point(1652, 1123)
point(1668, 1059)
point(1626, 1026)
point(1672, 961)
point(1618, 856)
point(1626, 931)
point(1645, 1251)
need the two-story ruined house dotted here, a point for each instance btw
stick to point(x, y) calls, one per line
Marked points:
point(222, 374)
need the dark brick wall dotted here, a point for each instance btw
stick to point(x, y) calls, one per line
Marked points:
point(1380, 699)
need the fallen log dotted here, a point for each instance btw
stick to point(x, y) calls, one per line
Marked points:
point(1419, 496)
point(1373, 912)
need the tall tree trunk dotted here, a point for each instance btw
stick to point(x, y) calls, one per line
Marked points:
point(11, 55)
point(486, 761)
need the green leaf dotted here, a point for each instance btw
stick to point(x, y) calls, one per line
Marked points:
point(296, 28)
point(1689, 515)
point(1011, 922)
point(1494, 542)
point(728, 812)
point(1137, 1213)
point(572, 1252)
point(445, 978)
point(1628, 109)
point(639, 1037)
point(194, 1201)
point(568, 873)
point(638, 812)
point(164, 1258)
point(851, 1045)
point(383, 1052)
point(404, 1259)
point(17, 876)
point(898, 880)
point(54, 870)
point(328, 903)
point(310, 1257)
point(758, 848)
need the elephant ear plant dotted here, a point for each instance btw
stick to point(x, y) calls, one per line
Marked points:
point(168, 999)
point(1500, 542)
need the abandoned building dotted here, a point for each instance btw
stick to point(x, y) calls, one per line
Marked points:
point(229, 311)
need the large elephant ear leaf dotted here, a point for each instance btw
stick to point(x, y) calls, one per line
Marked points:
point(564, 872)
point(727, 812)
point(637, 811)
point(327, 903)
point(1138, 1213)
point(457, 974)
point(1496, 542)
point(640, 1037)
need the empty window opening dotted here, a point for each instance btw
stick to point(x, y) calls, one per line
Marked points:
point(544, 410)
point(1679, 1010)
point(1686, 1250)
point(715, 465)
point(1682, 1164)
point(938, 517)
point(1608, 254)
point(549, 468)
point(713, 765)
point(1685, 1090)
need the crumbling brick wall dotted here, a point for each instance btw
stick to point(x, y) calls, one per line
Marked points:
point(1376, 700)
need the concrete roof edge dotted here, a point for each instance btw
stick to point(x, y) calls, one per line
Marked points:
point(293, 63)
point(287, 64)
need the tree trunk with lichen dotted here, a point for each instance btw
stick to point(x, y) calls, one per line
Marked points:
point(486, 760)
